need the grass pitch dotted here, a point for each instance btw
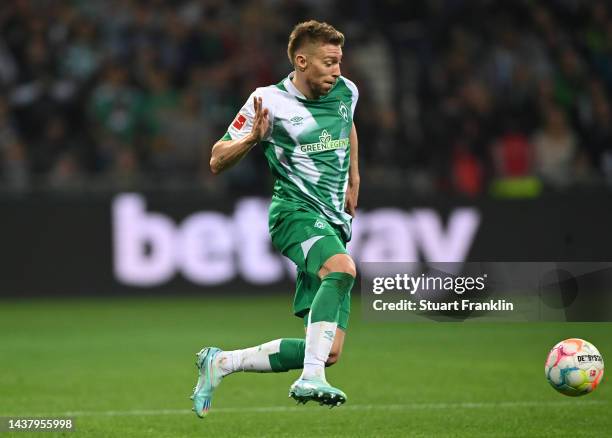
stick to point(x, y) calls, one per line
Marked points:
point(125, 367)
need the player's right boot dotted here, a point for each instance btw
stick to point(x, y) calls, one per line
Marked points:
point(209, 377)
point(317, 390)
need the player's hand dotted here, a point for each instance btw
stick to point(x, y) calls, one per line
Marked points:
point(352, 195)
point(261, 124)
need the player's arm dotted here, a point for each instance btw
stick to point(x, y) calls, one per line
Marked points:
point(226, 153)
point(352, 191)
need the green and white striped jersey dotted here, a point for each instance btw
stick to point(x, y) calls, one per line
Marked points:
point(307, 147)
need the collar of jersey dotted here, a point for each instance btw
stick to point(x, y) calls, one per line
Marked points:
point(292, 89)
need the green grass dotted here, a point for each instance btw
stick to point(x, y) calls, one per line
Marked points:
point(427, 379)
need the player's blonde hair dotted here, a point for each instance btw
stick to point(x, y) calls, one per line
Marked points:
point(310, 32)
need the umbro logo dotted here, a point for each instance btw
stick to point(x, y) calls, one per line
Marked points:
point(319, 224)
point(296, 121)
point(329, 334)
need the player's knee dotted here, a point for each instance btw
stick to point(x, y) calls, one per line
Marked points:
point(352, 269)
point(340, 263)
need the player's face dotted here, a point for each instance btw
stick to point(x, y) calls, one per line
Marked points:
point(323, 68)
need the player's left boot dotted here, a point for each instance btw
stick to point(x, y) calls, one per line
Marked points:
point(209, 377)
point(317, 390)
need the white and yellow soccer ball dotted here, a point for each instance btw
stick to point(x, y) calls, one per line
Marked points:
point(574, 367)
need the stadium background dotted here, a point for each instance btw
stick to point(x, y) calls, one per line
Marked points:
point(122, 254)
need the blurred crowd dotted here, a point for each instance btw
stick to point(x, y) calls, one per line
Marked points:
point(457, 96)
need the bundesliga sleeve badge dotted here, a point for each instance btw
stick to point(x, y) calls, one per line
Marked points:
point(239, 121)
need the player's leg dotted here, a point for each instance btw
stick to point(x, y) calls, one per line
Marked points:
point(274, 356)
point(337, 277)
point(279, 355)
point(213, 364)
point(338, 345)
point(336, 350)
point(343, 317)
point(337, 273)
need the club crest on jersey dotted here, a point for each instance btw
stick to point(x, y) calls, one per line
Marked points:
point(343, 111)
point(239, 122)
point(326, 143)
point(319, 224)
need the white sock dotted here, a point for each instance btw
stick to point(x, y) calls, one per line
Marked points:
point(319, 340)
point(249, 359)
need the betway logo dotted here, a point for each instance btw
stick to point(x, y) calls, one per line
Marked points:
point(210, 248)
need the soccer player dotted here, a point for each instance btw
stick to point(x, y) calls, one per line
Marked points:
point(305, 126)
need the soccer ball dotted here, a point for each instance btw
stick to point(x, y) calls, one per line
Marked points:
point(574, 367)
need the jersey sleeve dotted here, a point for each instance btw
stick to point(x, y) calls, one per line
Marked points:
point(243, 122)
